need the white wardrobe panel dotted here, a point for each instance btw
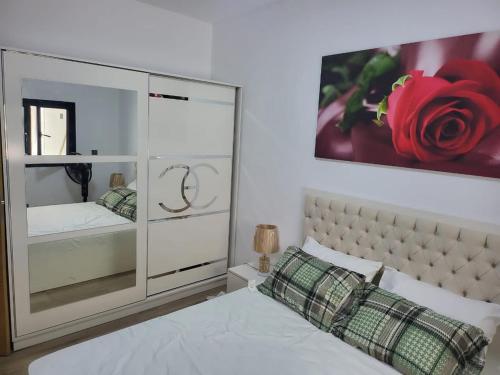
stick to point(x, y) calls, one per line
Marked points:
point(180, 187)
point(22, 72)
point(178, 279)
point(191, 89)
point(180, 243)
point(190, 127)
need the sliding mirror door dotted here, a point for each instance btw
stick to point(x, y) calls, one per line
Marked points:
point(76, 145)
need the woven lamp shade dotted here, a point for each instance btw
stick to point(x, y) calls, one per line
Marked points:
point(116, 180)
point(266, 240)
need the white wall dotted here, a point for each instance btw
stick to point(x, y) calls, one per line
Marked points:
point(124, 32)
point(276, 54)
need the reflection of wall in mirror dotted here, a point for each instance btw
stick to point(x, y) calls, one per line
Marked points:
point(50, 185)
point(105, 121)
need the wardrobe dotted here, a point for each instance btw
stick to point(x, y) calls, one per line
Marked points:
point(119, 190)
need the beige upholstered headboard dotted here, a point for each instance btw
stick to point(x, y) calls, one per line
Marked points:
point(458, 255)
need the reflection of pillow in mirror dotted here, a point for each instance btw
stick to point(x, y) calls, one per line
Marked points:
point(112, 198)
point(132, 185)
point(128, 207)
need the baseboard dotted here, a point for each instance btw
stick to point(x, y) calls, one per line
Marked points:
point(104, 317)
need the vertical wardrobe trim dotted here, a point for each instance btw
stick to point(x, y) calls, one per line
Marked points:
point(235, 176)
point(5, 338)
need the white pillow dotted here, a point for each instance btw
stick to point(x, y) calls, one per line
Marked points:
point(478, 313)
point(132, 185)
point(365, 267)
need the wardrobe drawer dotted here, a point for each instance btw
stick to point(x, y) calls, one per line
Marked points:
point(178, 279)
point(190, 127)
point(181, 243)
point(182, 186)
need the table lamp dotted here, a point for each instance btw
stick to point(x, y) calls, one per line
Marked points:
point(116, 180)
point(265, 242)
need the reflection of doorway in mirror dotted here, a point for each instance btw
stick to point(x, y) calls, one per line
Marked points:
point(49, 127)
point(53, 124)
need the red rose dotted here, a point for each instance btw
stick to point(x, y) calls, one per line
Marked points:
point(445, 116)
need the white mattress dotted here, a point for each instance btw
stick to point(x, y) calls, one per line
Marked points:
point(240, 333)
point(69, 217)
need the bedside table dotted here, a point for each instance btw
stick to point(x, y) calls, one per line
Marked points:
point(237, 277)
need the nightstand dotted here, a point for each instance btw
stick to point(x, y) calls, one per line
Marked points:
point(237, 277)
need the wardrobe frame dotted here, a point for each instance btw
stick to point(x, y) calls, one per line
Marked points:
point(19, 342)
point(5, 332)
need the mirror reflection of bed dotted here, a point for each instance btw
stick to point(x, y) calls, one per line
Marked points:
point(65, 270)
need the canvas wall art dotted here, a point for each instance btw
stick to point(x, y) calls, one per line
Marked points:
point(431, 105)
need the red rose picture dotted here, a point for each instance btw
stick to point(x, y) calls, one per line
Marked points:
point(430, 105)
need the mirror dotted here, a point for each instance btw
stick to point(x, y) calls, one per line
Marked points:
point(67, 119)
point(71, 270)
point(67, 198)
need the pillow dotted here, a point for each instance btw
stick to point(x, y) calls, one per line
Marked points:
point(365, 267)
point(132, 185)
point(317, 290)
point(128, 207)
point(112, 198)
point(478, 313)
point(411, 338)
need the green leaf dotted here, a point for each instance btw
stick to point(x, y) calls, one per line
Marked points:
point(359, 58)
point(382, 108)
point(328, 89)
point(353, 106)
point(330, 93)
point(342, 71)
point(377, 66)
point(401, 81)
point(379, 123)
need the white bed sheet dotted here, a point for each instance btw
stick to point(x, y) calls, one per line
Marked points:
point(240, 333)
point(69, 217)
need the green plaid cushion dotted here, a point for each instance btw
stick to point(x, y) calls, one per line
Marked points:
point(114, 197)
point(317, 290)
point(128, 207)
point(411, 338)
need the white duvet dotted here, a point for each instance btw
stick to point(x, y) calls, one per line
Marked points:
point(242, 333)
point(69, 217)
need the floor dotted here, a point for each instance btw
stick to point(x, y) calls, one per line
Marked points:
point(79, 291)
point(17, 363)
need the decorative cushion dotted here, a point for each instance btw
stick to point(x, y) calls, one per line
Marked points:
point(114, 197)
point(317, 290)
point(128, 207)
point(411, 338)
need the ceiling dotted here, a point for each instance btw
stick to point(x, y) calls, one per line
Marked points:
point(209, 10)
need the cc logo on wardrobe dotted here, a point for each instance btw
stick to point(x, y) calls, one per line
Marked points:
point(189, 202)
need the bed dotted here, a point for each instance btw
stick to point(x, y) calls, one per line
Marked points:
point(59, 218)
point(57, 263)
point(246, 332)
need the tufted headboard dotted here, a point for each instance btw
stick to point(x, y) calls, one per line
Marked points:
point(451, 253)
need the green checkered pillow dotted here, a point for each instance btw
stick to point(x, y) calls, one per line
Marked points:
point(317, 290)
point(411, 338)
point(114, 197)
point(128, 207)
